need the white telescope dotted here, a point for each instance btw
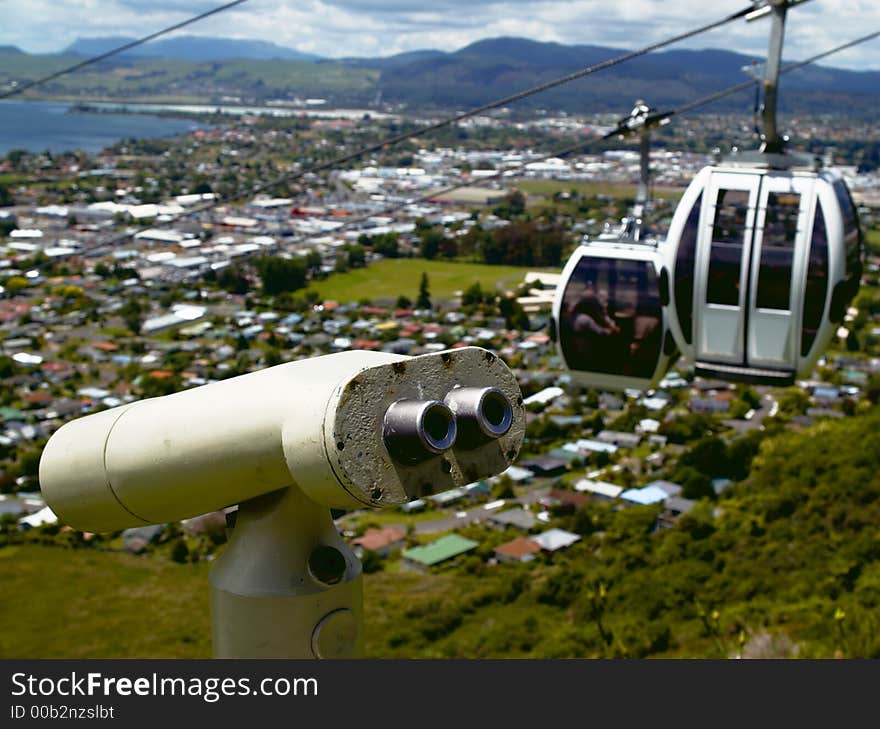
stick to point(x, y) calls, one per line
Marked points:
point(347, 430)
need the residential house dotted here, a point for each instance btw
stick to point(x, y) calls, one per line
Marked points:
point(555, 539)
point(599, 490)
point(441, 550)
point(562, 499)
point(644, 496)
point(621, 440)
point(673, 508)
point(546, 466)
point(517, 517)
point(521, 549)
point(381, 541)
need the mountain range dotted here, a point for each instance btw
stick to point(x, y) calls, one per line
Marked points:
point(208, 68)
point(197, 49)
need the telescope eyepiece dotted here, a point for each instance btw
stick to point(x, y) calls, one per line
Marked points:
point(416, 430)
point(482, 414)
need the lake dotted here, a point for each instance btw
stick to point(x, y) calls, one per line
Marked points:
point(41, 125)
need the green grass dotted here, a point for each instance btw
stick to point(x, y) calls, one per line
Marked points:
point(60, 603)
point(872, 240)
point(394, 517)
point(545, 188)
point(388, 279)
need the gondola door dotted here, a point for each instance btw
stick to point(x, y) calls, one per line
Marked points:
point(724, 251)
point(777, 264)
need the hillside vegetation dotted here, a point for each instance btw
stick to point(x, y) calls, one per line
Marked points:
point(787, 564)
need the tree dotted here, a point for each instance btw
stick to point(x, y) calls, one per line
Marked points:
point(424, 299)
point(514, 315)
point(696, 485)
point(514, 204)
point(180, 552)
point(131, 314)
point(431, 240)
point(472, 295)
point(852, 342)
point(16, 284)
point(233, 280)
point(357, 257)
point(386, 244)
point(281, 274)
point(371, 562)
point(403, 302)
point(313, 262)
point(273, 357)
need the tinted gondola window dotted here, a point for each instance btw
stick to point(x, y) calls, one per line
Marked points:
point(816, 289)
point(851, 236)
point(685, 257)
point(777, 250)
point(610, 320)
point(725, 255)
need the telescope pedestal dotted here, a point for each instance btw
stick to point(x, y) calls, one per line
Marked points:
point(287, 585)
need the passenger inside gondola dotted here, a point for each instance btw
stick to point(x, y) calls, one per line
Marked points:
point(611, 318)
point(646, 337)
point(595, 333)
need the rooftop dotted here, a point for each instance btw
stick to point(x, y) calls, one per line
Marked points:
point(440, 550)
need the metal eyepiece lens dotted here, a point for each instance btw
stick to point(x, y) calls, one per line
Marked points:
point(482, 414)
point(415, 430)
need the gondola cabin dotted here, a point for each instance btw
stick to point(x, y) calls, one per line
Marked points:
point(763, 265)
point(610, 316)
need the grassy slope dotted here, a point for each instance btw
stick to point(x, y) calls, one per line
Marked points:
point(82, 604)
point(390, 278)
point(795, 545)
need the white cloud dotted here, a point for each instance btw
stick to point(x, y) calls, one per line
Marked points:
point(337, 28)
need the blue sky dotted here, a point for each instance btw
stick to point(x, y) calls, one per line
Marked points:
point(337, 28)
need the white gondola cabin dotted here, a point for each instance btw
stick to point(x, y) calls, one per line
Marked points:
point(763, 264)
point(610, 318)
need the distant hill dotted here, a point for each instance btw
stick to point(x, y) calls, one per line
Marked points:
point(496, 67)
point(207, 69)
point(191, 48)
point(396, 61)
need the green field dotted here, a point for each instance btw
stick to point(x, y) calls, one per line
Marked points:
point(545, 188)
point(388, 279)
point(60, 603)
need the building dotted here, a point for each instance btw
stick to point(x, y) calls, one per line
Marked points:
point(644, 496)
point(546, 466)
point(599, 490)
point(381, 541)
point(621, 440)
point(562, 499)
point(555, 539)
point(440, 550)
point(520, 549)
point(671, 489)
point(518, 518)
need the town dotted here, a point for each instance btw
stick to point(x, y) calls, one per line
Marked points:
point(164, 264)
